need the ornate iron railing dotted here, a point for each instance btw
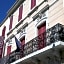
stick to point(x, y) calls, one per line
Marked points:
point(54, 34)
point(35, 44)
point(14, 56)
point(4, 60)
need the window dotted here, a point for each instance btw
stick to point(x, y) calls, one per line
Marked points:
point(33, 3)
point(22, 41)
point(42, 28)
point(20, 12)
point(11, 20)
point(3, 31)
point(8, 50)
point(41, 35)
point(1, 46)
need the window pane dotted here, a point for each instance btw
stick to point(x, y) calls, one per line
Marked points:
point(3, 31)
point(8, 50)
point(20, 12)
point(33, 3)
point(11, 20)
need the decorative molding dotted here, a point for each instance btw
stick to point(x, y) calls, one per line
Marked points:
point(21, 28)
point(10, 37)
point(41, 11)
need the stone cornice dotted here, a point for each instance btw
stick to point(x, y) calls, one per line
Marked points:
point(12, 9)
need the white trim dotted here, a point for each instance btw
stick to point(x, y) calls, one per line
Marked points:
point(63, 3)
point(38, 51)
point(42, 20)
point(52, 1)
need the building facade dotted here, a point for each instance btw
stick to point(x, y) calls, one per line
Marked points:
point(33, 32)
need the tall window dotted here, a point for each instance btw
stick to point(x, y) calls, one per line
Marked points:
point(41, 30)
point(33, 3)
point(3, 31)
point(20, 12)
point(8, 50)
point(11, 20)
point(22, 41)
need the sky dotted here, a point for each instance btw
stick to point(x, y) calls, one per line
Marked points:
point(5, 5)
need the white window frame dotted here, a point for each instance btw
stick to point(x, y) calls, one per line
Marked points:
point(41, 21)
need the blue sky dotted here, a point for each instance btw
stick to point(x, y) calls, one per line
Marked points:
point(4, 7)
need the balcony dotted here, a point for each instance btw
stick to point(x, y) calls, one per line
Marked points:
point(4, 60)
point(52, 35)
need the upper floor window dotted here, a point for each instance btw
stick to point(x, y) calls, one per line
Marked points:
point(20, 12)
point(11, 21)
point(3, 31)
point(33, 3)
point(41, 34)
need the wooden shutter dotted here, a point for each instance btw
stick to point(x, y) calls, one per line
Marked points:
point(22, 45)
point(11, 20)
point(22, 41)
point(3, 31)
point(1, 46)
point(41, 30)
point(33, 3)
point(20, 12)
point(8, 50)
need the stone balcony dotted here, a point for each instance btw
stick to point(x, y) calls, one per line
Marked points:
point(52, 35)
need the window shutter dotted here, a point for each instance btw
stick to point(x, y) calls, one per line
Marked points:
point(11, 20)
point(22, 41)
point(41, 28)
point(3, 31)
point(8, 50)
point(33, 3)
point(1, 46)
point(20, 12)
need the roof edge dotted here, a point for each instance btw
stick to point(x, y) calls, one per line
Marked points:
point(12, 10)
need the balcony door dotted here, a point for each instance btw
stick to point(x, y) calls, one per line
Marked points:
point(22, 41)
point(41, 35)
point(8, 50)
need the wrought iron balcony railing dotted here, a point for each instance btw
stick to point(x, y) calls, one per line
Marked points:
point(54, 34)
point(14, 56)
point(4, 60)
point(35, 44)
